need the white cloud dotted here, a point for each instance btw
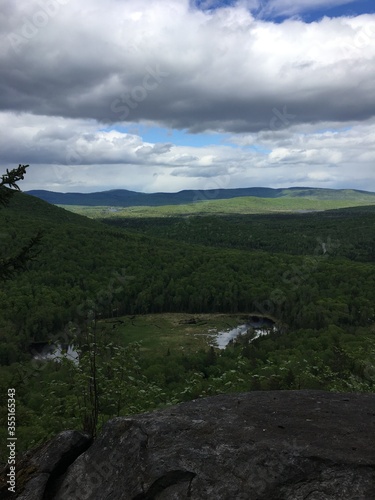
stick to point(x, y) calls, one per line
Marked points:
point(93, 159)
point(220, 70)
point(68, 70)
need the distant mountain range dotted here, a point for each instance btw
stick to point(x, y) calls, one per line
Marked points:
point(125, 198)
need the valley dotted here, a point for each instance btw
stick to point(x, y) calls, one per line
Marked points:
point(247, 205)
point(147, 296)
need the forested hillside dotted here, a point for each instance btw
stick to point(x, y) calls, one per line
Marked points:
point(351, 231)
point(313, 274)
point(79, 257)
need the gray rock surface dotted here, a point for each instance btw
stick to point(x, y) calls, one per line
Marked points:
point(35, 472)
point(292, 445)
point(276, 445)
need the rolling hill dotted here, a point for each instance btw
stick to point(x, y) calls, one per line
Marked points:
point(125, 198)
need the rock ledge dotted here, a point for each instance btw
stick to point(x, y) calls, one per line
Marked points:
point(274, 445)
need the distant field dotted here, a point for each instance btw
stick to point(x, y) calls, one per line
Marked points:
point(246, 205)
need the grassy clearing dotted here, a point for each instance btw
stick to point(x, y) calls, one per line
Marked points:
point(160, 332)
point(246, 205)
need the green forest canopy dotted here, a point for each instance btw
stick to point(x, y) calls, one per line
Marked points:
point(313, 273)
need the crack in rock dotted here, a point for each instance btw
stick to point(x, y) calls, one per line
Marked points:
point(164, 482)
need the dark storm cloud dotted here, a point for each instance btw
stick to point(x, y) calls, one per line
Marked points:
point(201, 72)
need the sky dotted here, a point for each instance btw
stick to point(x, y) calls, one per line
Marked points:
point(166, 95)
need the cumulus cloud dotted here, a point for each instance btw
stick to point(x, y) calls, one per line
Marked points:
point(90, 159)
point(218, 70)
point(298, 98)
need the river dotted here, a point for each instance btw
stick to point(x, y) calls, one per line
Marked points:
point(259, 327)
point(57, 351)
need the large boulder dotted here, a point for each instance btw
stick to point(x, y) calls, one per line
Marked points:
point(256, 446)
point(36, 470)
point(260, 445)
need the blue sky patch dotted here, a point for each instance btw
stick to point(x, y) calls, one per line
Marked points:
point(177, 137)
point(272, 11)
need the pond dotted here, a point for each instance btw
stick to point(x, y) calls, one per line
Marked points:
point(55, 352)
point(260, 326)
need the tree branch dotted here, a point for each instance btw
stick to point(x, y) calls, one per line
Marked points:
point(8, 183)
